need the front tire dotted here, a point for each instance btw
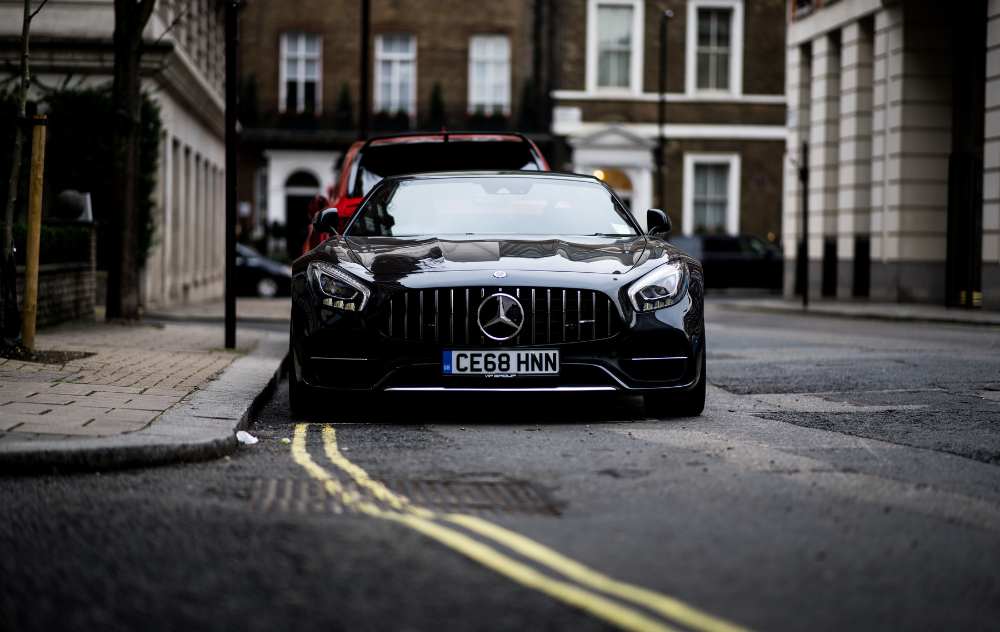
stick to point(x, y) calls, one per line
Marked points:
point(301, 397)
point(685, 404)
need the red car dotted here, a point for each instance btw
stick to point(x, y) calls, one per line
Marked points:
point(367, 162)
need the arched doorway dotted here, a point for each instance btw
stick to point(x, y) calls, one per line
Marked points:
point(300, 189)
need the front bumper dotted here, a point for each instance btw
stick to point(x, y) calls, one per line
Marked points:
point(656, 351)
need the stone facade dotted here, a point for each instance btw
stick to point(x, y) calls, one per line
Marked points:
point(898, 102)
point(183, 72)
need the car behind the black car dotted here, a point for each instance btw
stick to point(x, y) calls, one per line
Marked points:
point(735, 261)
point(498, 282)
point(256, 275)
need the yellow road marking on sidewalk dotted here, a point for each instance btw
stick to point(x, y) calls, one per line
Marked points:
point(669, 607)
point(595, 604)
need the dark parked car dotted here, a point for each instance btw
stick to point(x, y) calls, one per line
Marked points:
point(256, 275)
point(740, 261)
point(367, 162)
point(498, 282)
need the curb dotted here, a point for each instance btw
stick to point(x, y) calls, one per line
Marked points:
point(820, 312)
point(214, 320)
point(200, 427)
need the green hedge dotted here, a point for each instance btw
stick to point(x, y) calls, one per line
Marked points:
point(78, 156)
point(58, 244)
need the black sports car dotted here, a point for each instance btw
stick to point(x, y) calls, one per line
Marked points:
point(498, 281)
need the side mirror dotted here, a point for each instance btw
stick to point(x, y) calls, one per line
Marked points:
point(657, 222)
point(327, 221)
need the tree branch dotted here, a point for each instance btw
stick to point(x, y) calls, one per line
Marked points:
point(177, 20)
point(35, 12)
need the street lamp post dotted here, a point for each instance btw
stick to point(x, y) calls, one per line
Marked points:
point(661, 113)
point(804, 251)
point(365, 97)
point(232, 148)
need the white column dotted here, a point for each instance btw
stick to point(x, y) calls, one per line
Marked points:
point(886, 112)
point(991, 163)
point(642, 193)
point(855, 152)
point(798, 82)
point(824, 144)
point(166, 238)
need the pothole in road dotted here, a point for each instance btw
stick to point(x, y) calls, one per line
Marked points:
point(483, 497)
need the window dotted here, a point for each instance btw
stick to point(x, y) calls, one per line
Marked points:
point(491, 205)
point(396, 74)
point(489, 74)
point(711, 197)
point(614, 45)
point(300, 73)
point(711, 194)
point(715, 47)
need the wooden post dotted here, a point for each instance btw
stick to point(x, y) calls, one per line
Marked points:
point(33, 238)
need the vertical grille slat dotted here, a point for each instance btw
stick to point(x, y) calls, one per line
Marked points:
point(534, 318)
point(406, 316)
point(564, 337)
point(437, 330)
point(548, 317)
point(443, 316)
point(420, 318)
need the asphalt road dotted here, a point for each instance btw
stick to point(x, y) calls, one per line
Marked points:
point(844, 475)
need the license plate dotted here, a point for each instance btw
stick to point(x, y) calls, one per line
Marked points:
point(500, 363)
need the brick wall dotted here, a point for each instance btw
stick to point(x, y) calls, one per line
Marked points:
point(65, 292)
point(442, 29)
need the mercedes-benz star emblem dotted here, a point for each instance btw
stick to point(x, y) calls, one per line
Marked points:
point(500, 274)
point(500, 317)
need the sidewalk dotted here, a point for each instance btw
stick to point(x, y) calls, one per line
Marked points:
point(148, 394)
point(861, 309)
point(248, 310)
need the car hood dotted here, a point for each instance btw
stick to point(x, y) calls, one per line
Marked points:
point(397, 257)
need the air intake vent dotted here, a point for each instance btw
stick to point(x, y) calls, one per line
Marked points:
point(449, 316)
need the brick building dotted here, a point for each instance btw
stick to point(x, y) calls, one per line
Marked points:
point(446, 63)
point(899, 102)
point(579, 75)
point(725, 106)
point(183, 71)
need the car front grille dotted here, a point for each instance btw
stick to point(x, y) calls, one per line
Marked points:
point(449, 316)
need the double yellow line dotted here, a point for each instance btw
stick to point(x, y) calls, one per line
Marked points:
point(586, 588)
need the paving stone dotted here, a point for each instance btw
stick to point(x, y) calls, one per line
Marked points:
point(111, 388)
point(50, 398)
point(104, 400)
point(176, 392)
point(14, 408)
point(151, 402)
point(122, 414)
point(67, 388)
point(106, 425)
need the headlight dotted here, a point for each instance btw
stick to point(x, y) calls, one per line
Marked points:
point(338, 289)
point(658, 289)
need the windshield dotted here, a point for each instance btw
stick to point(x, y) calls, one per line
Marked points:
point(491, 205)
point(382, 161)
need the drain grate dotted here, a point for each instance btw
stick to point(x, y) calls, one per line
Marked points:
point(306, 496)
point(494, 496)
point(288, 495)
